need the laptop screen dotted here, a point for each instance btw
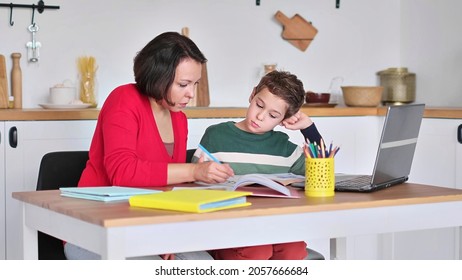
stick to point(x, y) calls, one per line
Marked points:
point(398, 142)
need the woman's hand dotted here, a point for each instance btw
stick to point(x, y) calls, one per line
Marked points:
point(298, 121)
point(212, 172)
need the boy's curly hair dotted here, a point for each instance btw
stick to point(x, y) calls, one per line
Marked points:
point(286, 86)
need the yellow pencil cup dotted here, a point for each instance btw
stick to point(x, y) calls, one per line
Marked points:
point(319, 177)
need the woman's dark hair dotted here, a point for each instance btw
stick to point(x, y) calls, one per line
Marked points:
point(286, 86)
point(154, 66)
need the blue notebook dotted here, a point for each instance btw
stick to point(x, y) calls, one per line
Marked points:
point(106, 194)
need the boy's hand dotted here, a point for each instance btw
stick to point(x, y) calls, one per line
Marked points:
point(298, 121)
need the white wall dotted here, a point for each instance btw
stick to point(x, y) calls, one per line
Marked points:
point(432, 46)
point(238, 37)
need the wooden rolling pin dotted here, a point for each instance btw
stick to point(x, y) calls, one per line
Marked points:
point(16, 81)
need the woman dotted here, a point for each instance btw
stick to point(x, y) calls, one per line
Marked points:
point(141, 133)
point(140, 138)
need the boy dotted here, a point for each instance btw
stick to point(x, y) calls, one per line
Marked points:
point(252, 146)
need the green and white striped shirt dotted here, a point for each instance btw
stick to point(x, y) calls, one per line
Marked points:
point(245, 152)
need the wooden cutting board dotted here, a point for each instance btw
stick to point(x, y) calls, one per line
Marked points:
point(3, 84)
point(296, 30)
point(300, 44)
point(202, 98)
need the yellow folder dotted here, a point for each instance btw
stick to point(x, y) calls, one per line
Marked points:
point(189, 200)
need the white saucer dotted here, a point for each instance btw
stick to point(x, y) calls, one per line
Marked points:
point(65, 106)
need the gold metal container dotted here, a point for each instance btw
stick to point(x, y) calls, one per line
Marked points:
point(398, 86)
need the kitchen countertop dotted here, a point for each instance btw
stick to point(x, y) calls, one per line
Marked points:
point(217, 112)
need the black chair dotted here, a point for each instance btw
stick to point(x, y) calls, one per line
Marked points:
point(189, 154)
point(58, 169)
point(314, 255)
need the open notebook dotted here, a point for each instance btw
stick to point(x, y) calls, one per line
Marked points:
point(395, 152)
point(267, 185)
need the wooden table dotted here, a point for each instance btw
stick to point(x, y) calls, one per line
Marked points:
point(117, 231)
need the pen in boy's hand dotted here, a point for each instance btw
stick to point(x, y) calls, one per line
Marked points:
point(208, 154)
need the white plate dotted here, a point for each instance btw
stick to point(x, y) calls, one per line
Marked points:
point(66, 106)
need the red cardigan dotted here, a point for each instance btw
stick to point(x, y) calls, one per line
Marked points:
point(126, 149)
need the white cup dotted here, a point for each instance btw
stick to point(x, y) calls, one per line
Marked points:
point(62, 95)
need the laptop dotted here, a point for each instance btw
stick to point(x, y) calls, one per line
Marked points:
point(395, 152)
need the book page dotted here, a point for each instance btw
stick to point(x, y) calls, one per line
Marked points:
point(285, 178)
point(260, 179)
point(258, 190)
point(275, 182)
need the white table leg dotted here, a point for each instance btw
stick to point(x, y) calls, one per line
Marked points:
point(29, 235)
point(112, 246)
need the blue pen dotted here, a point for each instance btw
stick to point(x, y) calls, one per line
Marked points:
point(208, 154)
point(330, 150)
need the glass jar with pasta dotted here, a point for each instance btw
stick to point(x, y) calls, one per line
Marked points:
point(88, 84)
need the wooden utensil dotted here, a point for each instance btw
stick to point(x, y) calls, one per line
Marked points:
point(300, 44)
point(3, 84)
point(297, 30)
point(16, 81)
point(202, 98)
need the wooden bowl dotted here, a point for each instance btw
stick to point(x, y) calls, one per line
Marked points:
point(312, 97)
point(362, 96)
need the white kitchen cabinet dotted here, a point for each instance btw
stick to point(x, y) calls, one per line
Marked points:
point(34, 139)
point(436, 158)
point(357, 137)
point(2, 192)
point(459, 159)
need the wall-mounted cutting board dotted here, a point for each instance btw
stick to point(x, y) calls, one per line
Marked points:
point(300, 44)
point(296, 27)
point(298, 31)
point(202, 98)
point(3, 84)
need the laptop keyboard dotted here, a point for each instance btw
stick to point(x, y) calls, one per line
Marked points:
point(355, 182)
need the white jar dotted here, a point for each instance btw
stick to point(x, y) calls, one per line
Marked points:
point(62, 95)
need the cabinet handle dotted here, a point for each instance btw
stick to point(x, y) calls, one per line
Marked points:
point(13, 137)
point(459, 134)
